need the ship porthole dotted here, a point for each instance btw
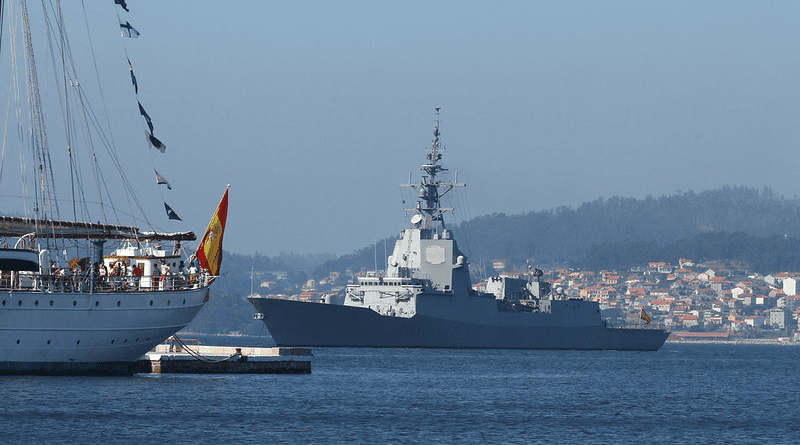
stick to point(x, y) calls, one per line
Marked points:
point(167, 302)
point(51, 302)
point(36, 303)
point(19, 303)
point(126, 341)
point(151, 302)
point(97, 303)
point(118, 303)
point(184, 301)
point(74, 303)
point(79, 342)
point(112, 342)
point(48, 342)
point(17, 341)
point(4, 302)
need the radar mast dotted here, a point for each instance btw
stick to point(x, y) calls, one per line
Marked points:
point(430, 189)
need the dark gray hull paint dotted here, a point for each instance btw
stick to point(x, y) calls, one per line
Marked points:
point(295, 323)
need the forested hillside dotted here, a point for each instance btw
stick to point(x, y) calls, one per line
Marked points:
point(565, 234)
point(765, 255)
point(574, 235)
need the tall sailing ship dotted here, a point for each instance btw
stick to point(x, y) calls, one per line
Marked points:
point(424, 298)
point(81, 292)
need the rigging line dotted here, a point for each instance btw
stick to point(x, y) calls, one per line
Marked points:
point(49, 27)
point(108, 142)
point(97, 73)
point(47, 172)
point(152, 161)
point(9, 94)
point(21, 133)
point(14, 87)
point(2, 21)
point(68, 62)
point(63, 91)
point(111, 148)
point(197, 355)
point(45, 163)
point(69, 72)
point(115, 160)
point(160, 188)
point(93, 154)
point(38, 132)
point(127, 57)
point(22, 197)
point(105, 186)
point(66, 107)
point(78, 197)
point(144, 215)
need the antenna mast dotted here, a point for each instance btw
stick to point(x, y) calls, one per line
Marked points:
point(430, 189)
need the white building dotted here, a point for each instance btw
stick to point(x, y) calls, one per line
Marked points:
point(790, 286)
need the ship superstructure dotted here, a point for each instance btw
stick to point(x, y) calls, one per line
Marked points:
point(426, 260)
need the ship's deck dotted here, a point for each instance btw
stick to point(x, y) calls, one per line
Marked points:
point(22, 281)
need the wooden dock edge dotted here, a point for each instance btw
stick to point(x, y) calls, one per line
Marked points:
point(225, 360)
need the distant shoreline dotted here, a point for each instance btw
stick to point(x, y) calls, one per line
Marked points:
point(705, 341)
point(749, 341)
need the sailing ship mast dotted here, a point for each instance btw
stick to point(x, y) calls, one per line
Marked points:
point(39, 201)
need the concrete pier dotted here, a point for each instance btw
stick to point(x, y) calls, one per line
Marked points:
point(202, 359)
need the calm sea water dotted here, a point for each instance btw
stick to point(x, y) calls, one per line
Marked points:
point(680, 394)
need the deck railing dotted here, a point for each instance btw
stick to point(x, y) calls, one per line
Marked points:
point(83, 283)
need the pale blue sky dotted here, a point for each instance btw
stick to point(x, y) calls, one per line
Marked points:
point(315, 112)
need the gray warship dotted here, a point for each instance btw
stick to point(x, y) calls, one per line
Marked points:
point(425, 298)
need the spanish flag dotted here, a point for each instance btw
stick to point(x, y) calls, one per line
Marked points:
point(209, 252)
point(645, 317)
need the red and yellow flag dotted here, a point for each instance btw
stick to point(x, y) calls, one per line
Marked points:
point(209, 252)
point(645, 317)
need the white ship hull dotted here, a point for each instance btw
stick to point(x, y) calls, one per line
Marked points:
point(82, 333)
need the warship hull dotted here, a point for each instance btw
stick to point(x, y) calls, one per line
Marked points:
point(296, 323)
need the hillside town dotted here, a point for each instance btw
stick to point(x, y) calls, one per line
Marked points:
point(718, 300)
point(693, 300)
